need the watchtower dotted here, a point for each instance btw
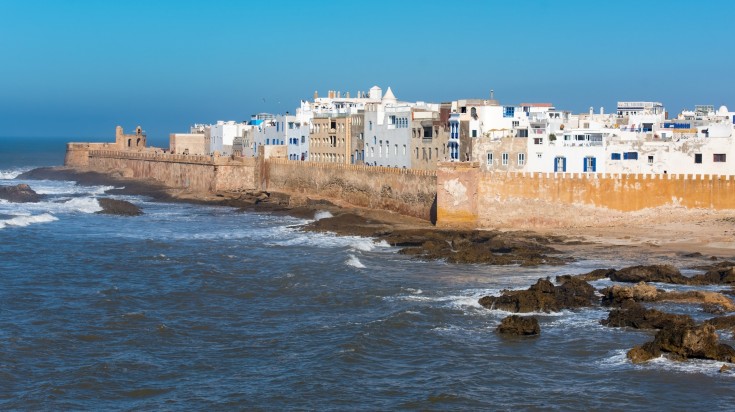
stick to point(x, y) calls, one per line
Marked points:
point(130, 141)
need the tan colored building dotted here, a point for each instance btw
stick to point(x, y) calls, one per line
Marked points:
point(335, 138)
point(188, 144)
point(429, 137)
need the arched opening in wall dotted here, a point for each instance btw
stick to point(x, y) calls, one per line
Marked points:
point(130, 142)
point(137, 144)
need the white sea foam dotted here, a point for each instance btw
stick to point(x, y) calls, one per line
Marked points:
point(354, 262)
point(619, 360)
point(83, 204)
point(26, 220)
point(322, 214)
point(362, 244)
point(9, 174)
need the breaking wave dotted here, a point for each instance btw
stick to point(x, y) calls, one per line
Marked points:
point(26, 220)
point(354, 262)
point(12, 173)
point(322, 214)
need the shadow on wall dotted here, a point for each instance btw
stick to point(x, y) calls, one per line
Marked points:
point(432, 212)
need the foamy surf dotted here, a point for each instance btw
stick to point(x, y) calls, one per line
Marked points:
point(354, 262)
point(27, 220)
point(322, 214)
point(12, 173)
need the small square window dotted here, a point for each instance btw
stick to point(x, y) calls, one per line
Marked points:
point(719, 157)
point(697, 157)
point(505, 159)
point(650, 160)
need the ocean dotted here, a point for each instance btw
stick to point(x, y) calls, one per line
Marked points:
point(192, 307)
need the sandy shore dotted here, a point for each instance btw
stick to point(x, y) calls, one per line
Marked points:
point(668, 231)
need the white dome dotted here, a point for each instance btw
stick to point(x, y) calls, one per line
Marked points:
point(723, 110)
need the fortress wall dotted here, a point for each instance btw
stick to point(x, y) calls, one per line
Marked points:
point(195, 173)
point(467, 196)
point(405, 191)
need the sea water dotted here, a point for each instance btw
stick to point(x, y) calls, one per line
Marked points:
point(193, 307)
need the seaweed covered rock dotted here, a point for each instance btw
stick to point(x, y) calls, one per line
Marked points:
point(543, 296)
point(519, 325)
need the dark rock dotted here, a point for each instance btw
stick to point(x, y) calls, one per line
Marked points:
point(643, 353)
point(519, 325)
point(544, 297)
point(634, 315)
point(720, 274)
point(713, 309)
point(651, 273)
point(722, 322)
point(692, 255)
point(681, 342)
point(725, 368)
point(21, 193)
point(616, 295)
point(699, 342)
point(596, 274)
point(118, 207)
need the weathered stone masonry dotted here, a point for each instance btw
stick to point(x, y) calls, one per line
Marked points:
point(456, 195)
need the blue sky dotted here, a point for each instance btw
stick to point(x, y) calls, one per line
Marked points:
point(78, 68)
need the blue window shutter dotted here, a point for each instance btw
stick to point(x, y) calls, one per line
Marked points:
point(594, 164)
point(584, 164)
point(556, 164)
point(565, 164)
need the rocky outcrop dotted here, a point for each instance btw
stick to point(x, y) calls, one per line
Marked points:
point(21, 193)
point(651, 273)
point(721, 273)
point(634, 315)
point(488, 247)
point(596, 274)
point(544, 297)
point(118, 207)
point(722, 322)
point(683, 342)
point(617, 295)
point(519, 326)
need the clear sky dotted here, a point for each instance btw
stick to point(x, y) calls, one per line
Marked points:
point(79, 68)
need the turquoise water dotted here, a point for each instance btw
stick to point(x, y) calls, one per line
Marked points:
point(193, 307)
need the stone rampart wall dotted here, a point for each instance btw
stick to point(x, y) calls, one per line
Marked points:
point(468, 197)
point(405, 191)
point(195, 173)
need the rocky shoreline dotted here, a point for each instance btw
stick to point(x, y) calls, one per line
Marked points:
point(677, 336)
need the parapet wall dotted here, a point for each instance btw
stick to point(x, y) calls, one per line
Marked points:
point(405, 191)
point(195, 173)
point(466, 196)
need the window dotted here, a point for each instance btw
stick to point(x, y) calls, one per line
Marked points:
point(521, 159)
point(719, 157)
point(697, 157)
point(428, 131)
point(489, 159)
point(590, 164)
point(516, 123)
point(538, 140)
point(370, 125)
point(509, 111)
point(505, 159)
point(650, 160)
point(615, 156)
point(630, 156)
point(560, 164)
point(474, 132)
point(404, 149)
point(539, 155)
point(522, 133)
